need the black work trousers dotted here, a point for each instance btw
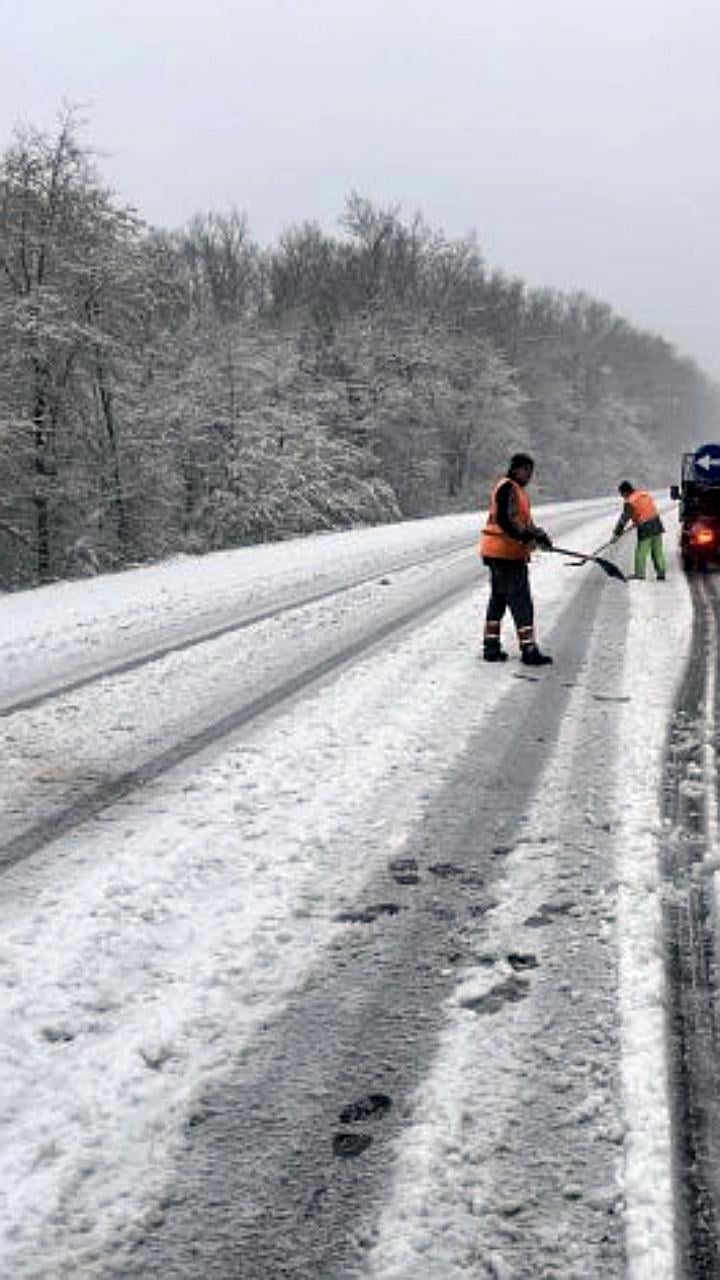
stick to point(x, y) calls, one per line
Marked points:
point(509, 589)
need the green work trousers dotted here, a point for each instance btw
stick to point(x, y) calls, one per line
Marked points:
point(650, 547)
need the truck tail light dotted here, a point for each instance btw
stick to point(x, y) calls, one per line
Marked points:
point(702, 536)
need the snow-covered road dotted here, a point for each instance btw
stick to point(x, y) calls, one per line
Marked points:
point(167, 948)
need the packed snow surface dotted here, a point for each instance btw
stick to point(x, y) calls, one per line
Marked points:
point(139, 953)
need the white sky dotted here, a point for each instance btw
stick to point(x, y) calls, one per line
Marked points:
point(577, 137)
point(126, 948)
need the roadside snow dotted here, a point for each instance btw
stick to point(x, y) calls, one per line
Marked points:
point(658, 647)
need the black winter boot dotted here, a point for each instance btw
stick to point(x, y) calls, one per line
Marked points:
point(532, 657)
point(492, 652)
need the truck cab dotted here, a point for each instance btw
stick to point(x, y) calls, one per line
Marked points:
point(699, 512)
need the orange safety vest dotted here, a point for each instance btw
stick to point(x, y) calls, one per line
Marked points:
point(642, 506)
point(494, 540)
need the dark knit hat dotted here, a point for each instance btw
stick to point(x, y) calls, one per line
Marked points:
point(521, 460)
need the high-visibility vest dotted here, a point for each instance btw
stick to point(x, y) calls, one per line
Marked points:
point(642, 506)
point(495, 542)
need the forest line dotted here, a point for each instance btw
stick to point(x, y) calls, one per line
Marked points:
point(181, 391)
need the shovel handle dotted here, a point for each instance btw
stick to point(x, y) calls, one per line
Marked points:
point(606, 565)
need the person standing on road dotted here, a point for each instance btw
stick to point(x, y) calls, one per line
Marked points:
point(640, 508)
point(506, 543)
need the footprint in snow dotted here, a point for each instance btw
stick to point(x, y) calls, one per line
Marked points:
point(405, 871)
point(367, 915)
point(548, 912)
point(520, 960)
point(450, 871)
point(445, 870)
point(508, 992)
point(348, 1145)
point(375, 1104)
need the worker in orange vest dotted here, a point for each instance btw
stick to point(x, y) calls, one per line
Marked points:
point(640, 508)
point(509, 537)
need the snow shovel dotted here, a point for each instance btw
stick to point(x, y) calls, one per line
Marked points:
point(607, 566)
point(575, 564)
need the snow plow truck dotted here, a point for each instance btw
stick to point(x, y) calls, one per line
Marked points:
point(699, 496)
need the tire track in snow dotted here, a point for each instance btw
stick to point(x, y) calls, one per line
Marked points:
point(206, 635)
point(690, 923)
point(95, 802)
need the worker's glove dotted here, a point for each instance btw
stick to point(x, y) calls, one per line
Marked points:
point(543, 539)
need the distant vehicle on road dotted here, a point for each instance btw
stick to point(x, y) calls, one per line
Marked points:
point(699, 496)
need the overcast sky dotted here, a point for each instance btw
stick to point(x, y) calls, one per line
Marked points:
point(577, 138)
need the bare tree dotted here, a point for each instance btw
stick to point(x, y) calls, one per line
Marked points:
point(71, 282)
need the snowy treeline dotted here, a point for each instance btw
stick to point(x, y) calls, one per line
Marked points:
point(191, 390)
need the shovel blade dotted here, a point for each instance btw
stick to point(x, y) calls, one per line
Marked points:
point(610, 569)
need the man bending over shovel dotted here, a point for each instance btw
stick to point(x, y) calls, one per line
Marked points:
point(639, 507)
